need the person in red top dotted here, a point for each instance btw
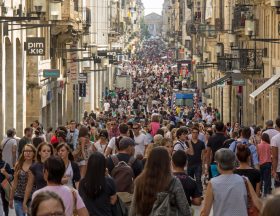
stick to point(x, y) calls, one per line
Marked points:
point(264, 153)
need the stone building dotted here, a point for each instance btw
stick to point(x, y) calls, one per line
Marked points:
point(154, 23)
point(236, 44)
point(47, 50)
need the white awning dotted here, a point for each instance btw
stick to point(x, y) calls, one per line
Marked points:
point(263, 87)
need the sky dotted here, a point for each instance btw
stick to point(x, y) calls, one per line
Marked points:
point(153, 6)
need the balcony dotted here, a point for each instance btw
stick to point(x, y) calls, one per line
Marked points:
point(240, 15)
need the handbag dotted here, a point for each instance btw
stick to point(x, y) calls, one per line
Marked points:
point(251, 209)
point(6, 185)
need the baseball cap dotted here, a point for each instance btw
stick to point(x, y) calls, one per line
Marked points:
point(125, 142)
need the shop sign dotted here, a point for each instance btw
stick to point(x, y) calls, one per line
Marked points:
point(35, 46)
point(238, 81)
point(51, 73)
point(82, 77)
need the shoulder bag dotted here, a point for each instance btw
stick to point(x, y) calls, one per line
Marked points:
point(251, 209)
point(6, 185)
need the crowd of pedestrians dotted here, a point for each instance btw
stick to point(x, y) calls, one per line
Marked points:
point(142, 156)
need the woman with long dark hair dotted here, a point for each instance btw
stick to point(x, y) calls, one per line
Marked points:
point(97, 190)
point(26, 159)
point(72, 175)
point(156, 178)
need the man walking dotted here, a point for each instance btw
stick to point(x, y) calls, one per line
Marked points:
point(28, 132)
point(9, 148)
point(195, 160)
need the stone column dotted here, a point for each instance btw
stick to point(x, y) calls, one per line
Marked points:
point(10, 85)
point(19, 89)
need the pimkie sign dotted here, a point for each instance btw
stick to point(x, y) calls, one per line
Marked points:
point(35, 46)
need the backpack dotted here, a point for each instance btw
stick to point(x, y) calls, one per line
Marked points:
point(123, 174)
point(165, 204)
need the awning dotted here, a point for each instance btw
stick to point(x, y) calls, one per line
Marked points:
point(263, 87)
point(236, 78)
point(219, 81)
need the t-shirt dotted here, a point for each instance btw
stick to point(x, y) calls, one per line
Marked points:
point(271, 132)
point(253, 175)
point(179, 145)
point(136, 166)
point(99, 206)
point(99, 147)
point(215, 143)
point(189, 185)
point(195, 159)
point(66, 195)
point(7, 150)
point(69, 172)
point(106, 107)
point(275, 142)
point(37, 171)
point(141, 141)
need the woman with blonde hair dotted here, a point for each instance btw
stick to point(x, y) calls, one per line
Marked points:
point(173, 135)
point(157, 142)
point(26, 159)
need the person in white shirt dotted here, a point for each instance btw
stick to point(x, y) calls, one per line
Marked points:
point(9, 148)
point(140, 140)
point(111, 147)
point(270, 130)
point(275, 148)
point(106, 106)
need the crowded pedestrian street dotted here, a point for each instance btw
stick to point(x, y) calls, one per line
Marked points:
point(139, 108)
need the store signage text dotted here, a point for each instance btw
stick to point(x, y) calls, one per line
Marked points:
point(35, 46)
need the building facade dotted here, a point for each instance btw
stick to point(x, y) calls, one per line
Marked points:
point(154, 23)
point(58, 57)
point(236, 59)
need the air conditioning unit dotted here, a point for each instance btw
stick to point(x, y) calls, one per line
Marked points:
point(275, 3)
point(55, 11)
point(39, 6)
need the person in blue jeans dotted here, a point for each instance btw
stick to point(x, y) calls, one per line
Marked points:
point(195, 161)
point(26, 159)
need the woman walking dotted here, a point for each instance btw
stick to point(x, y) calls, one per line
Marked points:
point(264, 153)
point(26, 159)
point(72, 175)
point(156, 178)
point(244, 157)
point(227, 192)
point(97, 190)
point(35, 173)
